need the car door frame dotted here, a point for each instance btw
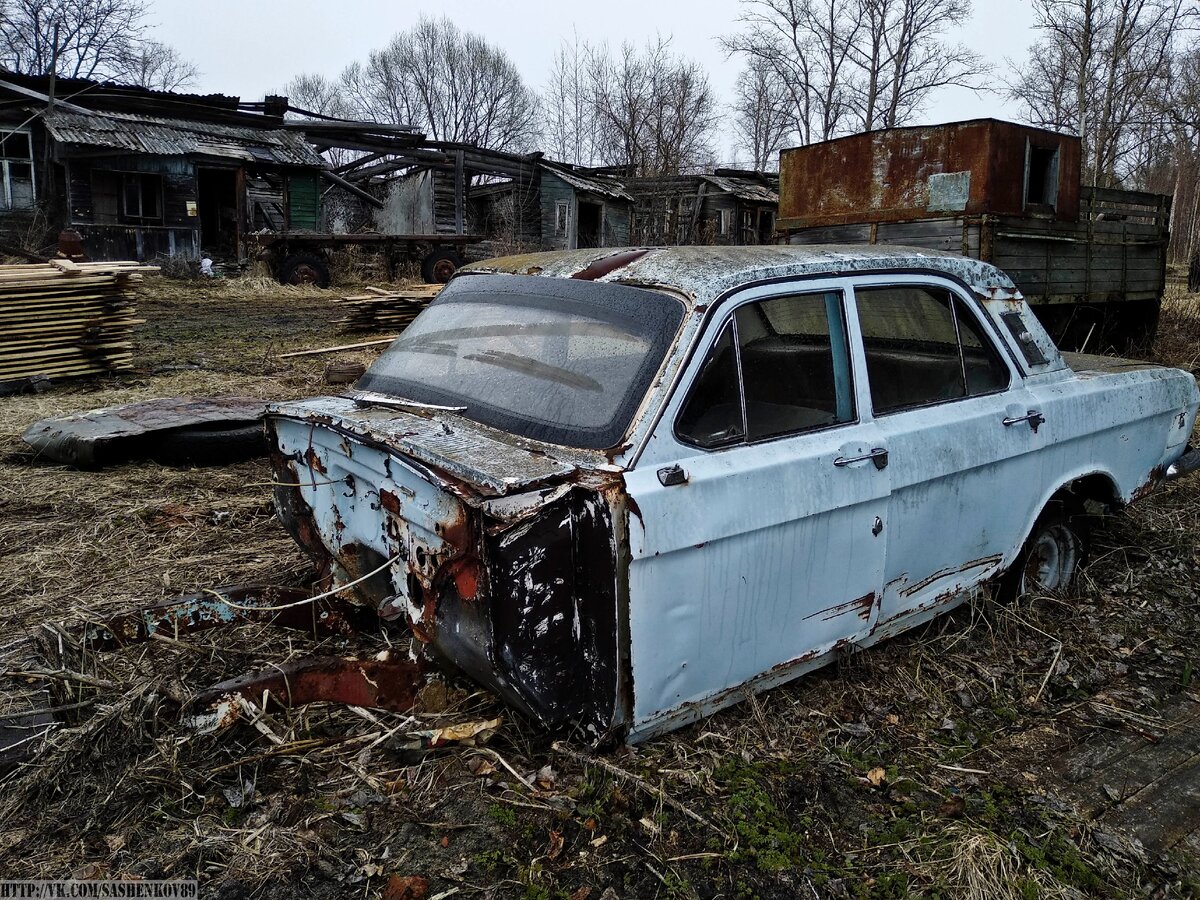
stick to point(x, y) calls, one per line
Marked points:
point(911, 593)
point(676, 697)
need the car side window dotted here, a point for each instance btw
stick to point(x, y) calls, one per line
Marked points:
point(923, 347)
point(790, 373)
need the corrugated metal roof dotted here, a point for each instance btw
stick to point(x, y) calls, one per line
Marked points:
point(592, 184)
point(743, 188)
point(130, 133)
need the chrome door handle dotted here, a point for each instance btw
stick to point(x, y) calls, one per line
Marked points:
point(878, 455)
point(1033, 417)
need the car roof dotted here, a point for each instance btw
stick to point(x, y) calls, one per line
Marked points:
point(704, 273)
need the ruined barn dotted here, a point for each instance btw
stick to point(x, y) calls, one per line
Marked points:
point(729, 206)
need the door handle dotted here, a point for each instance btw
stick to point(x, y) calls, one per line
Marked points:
point(672, 475)
point(1033, 417)
point(878, 455)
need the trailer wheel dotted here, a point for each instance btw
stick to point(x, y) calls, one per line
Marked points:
point(304, 268)
point(438, 265)
point(1051, 558)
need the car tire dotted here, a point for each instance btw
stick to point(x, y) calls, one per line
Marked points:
point(1052, 556)
point(209, 446)
point(438, 265)
point(304, 268)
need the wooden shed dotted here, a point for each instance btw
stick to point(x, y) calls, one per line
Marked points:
point(582, 208)
point(729, 206)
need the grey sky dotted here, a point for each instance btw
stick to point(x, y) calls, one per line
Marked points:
point(252, 47)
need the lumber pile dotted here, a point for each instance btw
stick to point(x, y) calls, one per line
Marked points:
point(63, 319)
point(382, 310)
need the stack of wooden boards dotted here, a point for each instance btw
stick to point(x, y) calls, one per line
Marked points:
point(63, 319)
point(382, 310)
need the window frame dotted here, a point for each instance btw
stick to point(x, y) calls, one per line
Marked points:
point(726, 318)
point(562, 216)
point(974, 309)
point(6, 171)
point(140, 179)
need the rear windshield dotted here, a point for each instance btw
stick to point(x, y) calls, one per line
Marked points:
point(551, 359)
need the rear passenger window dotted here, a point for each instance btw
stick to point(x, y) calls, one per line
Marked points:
point(922, 346)
point(790, 373)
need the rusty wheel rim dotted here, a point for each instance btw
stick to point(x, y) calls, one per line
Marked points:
point(305, 274)
point(443, 269)
point(1052, 560)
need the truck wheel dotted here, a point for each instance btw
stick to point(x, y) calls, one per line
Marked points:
point(438, 265)
point(304, 268)
point(1050, 559)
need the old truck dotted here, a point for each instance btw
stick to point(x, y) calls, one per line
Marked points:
point(624, 489)
point(1090, 261)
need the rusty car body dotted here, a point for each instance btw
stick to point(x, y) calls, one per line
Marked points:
point(626, 489)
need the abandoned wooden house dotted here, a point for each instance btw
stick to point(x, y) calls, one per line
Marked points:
point(139, 173)
point(729, 206)
point(582, 208)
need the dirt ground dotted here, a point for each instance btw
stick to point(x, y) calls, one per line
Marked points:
point(927, 766)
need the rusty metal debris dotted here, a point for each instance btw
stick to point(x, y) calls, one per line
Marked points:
point(385, 682)
point(192, 613)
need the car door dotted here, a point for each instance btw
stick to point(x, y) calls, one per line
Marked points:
point(757, 506)
point(962, 434)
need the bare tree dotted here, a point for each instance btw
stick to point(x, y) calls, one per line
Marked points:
point(762, 117)
point(857, 64)
point(805, 45)
point(1102, 69)
point(656, 111)
point(314, 92)
point(154, 65)
point(89, 39)
point(568, 125)
point(78, 38)
point(451, 83)
point(902, 57)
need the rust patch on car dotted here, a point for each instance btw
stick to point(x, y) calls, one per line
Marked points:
point(314, 461)
point(598, 268)
point(979, 563)
point(1150, 485)
point(861, 606)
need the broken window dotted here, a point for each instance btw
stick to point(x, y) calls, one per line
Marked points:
point(560, 217)
point(1041, 175)
point(790, 373)
point(923, 347)
point(725, 222)
point(142, 194)
point(16, 170)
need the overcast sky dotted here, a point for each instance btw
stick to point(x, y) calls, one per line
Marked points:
point(252, 47)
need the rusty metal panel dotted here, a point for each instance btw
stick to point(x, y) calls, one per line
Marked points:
point(883, 176)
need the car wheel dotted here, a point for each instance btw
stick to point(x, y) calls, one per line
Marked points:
point(439, 265)
point(304, 268)
point(1051, 558)
point(209, 446)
